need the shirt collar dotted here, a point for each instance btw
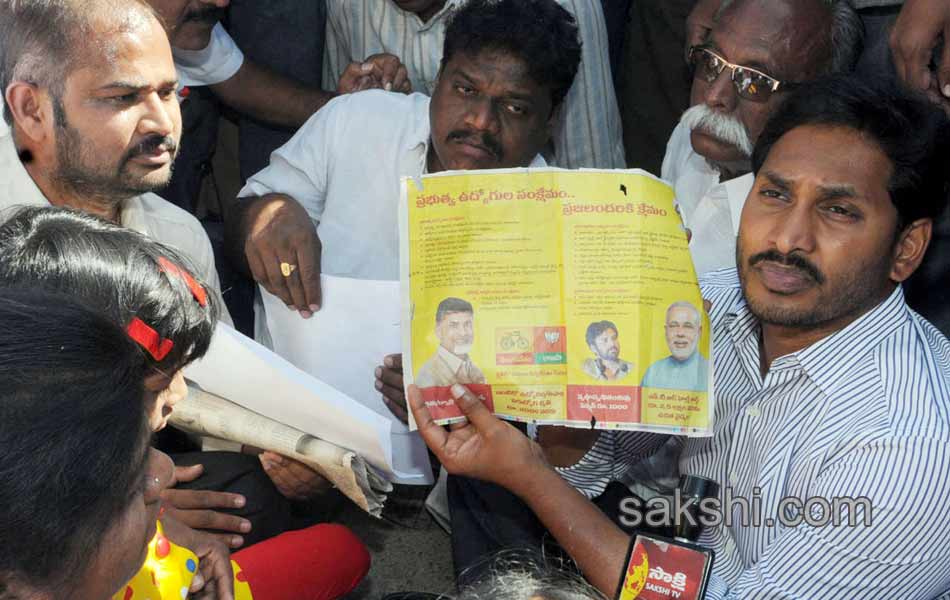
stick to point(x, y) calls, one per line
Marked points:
point(453, 361)
point(828, 359)
point(602, 368)
point(131, 213)
point(444, 14)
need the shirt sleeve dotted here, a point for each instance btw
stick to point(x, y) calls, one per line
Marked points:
point(218, 62)
point(892, 552)
point(590, 134)
point(336, 50)
point(300, 168)
point(609, 458)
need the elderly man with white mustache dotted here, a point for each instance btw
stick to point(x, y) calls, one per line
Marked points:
point(755, 52)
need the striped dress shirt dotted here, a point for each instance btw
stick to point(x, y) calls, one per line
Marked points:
point(589, 133)
point(863, 413)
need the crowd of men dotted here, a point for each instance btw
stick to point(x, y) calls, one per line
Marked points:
point(809, 157)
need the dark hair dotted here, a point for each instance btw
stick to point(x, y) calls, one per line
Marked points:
point(596, 328)
point(73, 435)
point(539, 32)
point(452, 305)
point(909, 129)
point(42, 41)
point(110, 269)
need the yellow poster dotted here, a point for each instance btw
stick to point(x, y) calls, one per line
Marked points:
point(559, 297)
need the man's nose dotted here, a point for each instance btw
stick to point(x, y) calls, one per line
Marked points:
point(721, 93)
point(794, 231)
point(161, 116)
point(482, 115)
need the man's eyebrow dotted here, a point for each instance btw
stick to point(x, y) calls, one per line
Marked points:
point(834, 192)
point(136, 85)
point(460, 72)
point(510, 94)
point(778, 181)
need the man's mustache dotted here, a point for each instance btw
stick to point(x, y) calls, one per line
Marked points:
point(151, 144)
point(789, 260)
point(209, 15)
point(486, 141)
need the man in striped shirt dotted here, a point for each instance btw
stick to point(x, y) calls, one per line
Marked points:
point(829, 389)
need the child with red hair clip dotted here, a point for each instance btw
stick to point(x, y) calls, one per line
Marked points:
point(148, 290)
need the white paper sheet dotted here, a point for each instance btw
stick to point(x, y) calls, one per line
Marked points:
point(241, 370)
point(342, 344)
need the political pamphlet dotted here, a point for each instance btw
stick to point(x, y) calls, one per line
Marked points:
point(558, 297)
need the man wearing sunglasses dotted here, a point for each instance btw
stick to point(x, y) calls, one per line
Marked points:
point(755, 52)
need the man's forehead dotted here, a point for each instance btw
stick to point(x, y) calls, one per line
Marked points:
point(803, 156)
point(680, 313)
point(497, 66)
point(139, 56)
point(458, 315)
point(764, 35)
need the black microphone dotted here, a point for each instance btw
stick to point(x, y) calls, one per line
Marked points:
point(696, 489)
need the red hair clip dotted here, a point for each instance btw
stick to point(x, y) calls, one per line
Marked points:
point(196, 290)
point(148, 338)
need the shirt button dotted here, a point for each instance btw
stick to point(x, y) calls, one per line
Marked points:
point(752, 411)
point(732, 480)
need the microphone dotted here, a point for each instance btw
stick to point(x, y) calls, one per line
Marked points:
point(659, 568)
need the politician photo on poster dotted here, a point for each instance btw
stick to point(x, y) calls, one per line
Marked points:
point(684, 368)
point(451, 363)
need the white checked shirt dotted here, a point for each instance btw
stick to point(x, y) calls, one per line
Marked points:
point(589, 134)
point(864, 412)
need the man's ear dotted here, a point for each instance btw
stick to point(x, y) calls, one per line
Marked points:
point(31, 109)
point(910, 249)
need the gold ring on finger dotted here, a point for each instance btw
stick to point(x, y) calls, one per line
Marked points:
point(286, 269)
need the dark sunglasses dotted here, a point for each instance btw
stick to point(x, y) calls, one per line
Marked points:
point(751, 84)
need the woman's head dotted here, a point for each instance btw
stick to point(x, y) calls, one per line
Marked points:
point(78, 482)
point(138, 283)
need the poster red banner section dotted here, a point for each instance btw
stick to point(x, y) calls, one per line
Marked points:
point(659, 570)
point(611, 404)
point(441, 404)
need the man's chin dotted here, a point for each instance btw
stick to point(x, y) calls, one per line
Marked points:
point(149, 182)
point(715, 150)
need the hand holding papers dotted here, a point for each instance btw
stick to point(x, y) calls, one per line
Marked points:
point(205, 414)
point(341, 346)
point(559, 297)
point(249, 375)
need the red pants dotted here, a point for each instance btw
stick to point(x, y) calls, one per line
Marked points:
point(318, 563)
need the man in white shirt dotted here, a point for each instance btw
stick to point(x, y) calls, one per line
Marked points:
point(94, 125)
point(754, 52)
point(588, 133)
point(340, 174)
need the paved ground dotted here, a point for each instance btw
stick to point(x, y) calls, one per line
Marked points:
point(410, 551)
